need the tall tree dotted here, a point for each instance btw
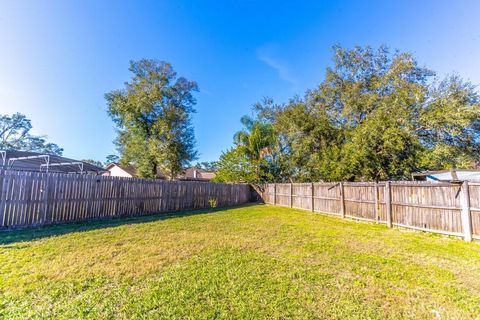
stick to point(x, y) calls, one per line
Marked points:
point(256, 139)
point(153, 116)
point(449, 125)
point(251, 160)
point(376, 97)
point(111, 158)
point(234, 166)
point(308, 138)
point(377, 115)
point(15, 134)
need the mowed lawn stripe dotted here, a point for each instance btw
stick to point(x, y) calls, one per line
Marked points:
point(247, 262)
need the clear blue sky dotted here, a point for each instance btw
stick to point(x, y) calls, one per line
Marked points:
point(59, 58)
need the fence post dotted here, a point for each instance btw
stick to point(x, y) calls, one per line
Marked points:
point(313, 199)
point(388, 203)
point(377, 215)
point(342, 200)
point(45, 216)
point(3, 197)
point(466, 216)
point(291, 194)
point(274, 194)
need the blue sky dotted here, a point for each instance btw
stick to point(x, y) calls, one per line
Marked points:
point(59, 58)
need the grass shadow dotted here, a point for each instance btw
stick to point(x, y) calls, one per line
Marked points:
point(35, 233)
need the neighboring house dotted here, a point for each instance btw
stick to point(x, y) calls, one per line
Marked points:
point(191, 174)
point(447, 175)
point(115, 170)
point(42, 162)
point(196, 174)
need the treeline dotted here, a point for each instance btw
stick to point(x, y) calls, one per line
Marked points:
point(377, 115)
point(15, 133)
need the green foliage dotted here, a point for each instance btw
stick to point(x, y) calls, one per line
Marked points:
point(376, 116)
point(251, 160)
point(235, 166)
point(308, 137)
point(111, 158)
point(449, 125)
point(15, 134)
point(207, 166)
point(212, 202)
point(256, 139)
point(153, 116)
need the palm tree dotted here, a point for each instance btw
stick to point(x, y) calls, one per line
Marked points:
point(256, 140)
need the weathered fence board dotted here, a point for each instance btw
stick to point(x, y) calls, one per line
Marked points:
point(34, 198)
point(447, 208)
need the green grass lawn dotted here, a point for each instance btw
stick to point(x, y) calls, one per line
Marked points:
point(248, 262)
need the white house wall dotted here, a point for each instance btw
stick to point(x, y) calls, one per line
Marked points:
point(116, 171)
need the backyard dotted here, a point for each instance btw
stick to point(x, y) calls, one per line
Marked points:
point(250, 262)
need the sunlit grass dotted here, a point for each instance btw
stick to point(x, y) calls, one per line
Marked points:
point(249, 262)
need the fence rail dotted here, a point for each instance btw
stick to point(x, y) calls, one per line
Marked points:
point(447, 208)
point(34, 198)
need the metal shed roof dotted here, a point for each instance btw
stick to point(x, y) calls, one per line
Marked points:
point(448, 175)
point(34, 161)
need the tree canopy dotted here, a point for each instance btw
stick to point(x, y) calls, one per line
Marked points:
point(209, 166)
point(250, 159)
point(377, 115)
point(153, 117)
point(15, 134)
point(111, 158)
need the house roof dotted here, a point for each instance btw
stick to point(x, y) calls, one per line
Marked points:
point(201, 174)
point(450, 175)
point(36, 161)
point(128, 169)
point(428, 173)
point(131, 170)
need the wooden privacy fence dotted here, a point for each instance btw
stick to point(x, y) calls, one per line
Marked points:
point(447, 208)
point(34, 198)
